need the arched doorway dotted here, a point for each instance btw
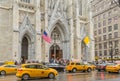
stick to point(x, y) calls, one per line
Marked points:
point(27, 40)
point(24, 50)
point(55, 52)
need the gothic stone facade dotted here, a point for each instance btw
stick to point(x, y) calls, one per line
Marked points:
point(22, 23)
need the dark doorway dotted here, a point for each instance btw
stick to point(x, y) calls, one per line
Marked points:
point(24, 50)
point(55, 52)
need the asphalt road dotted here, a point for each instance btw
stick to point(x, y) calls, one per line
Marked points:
point(79, 76)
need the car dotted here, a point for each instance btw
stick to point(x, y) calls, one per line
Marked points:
point(76, 66)
point(8, 69)
point(35, 70)
point(113, 68)
point(102, 66)
point(93, 66)
point(58, 67)
point(9, 62)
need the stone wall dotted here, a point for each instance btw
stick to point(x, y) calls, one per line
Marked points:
point(5, 35)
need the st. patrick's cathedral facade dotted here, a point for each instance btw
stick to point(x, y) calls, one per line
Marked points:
point(66, 22)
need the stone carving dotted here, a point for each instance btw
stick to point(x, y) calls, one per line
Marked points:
point(51, 4)
point(26, 28)
point(56, 11)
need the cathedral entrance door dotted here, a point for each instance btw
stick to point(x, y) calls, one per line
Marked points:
point(24, 50)
point(55, 53)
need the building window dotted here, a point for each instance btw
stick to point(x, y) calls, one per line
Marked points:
point(99, 31)
point(105, 52)
point(99, 24)
point(95, 26)
point(100, 46)
point(115, 34)
point(95, 32)
point(104, 30)
point(116, 43)
point(109, 28)
point(96, 46)
point(99, 17)
point(115, 26)
point(96, 54)
point(104, 16)
point(100, 39)
point(104, 22)
point(110, 36)
point(109, 21)
point(104, 37)
point(95, 39)
point(100, 53)
point(115, 18)
point(105, 45)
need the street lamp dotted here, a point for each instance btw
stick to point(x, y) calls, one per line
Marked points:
point(111, 50)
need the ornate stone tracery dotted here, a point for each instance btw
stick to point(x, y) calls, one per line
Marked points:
point(26, 30)
point(58, 11)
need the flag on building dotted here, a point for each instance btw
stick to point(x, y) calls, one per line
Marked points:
point(86, 41)
point(46, 37)
point(84, 36)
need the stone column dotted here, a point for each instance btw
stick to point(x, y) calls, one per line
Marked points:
point(71, 29)
point(38, 32)
point(92, 42)
point(46, 28)
point(31, 53)
point(15, 50)
point(78, 44)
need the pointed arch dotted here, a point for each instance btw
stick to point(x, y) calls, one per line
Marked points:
point(26, 28)
point(62, 27)
point(28, 32)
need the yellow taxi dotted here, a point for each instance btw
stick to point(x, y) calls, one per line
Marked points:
point(113, 68)
point(92, 66)
point(76, 66)
point(9, 62)
point(35, 70)
point(8, 69)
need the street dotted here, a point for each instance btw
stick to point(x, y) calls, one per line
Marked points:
point(80, 76)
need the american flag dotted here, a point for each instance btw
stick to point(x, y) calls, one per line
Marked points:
point(46, 37)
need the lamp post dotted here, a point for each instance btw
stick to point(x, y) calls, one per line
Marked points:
point(111, 50)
